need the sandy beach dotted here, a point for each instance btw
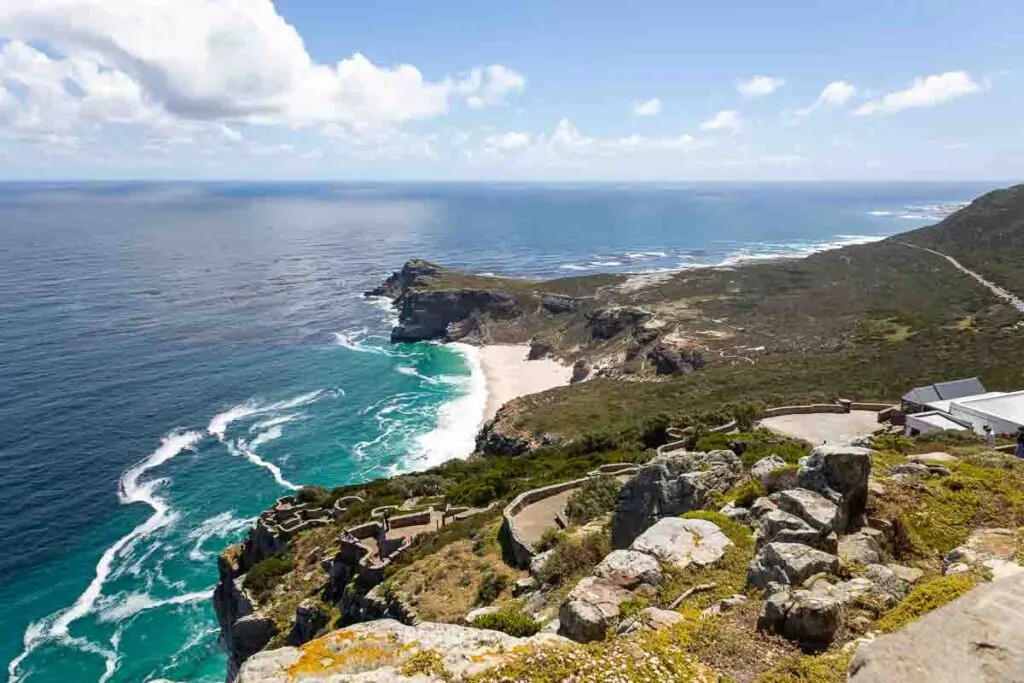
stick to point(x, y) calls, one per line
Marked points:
point(509, 375)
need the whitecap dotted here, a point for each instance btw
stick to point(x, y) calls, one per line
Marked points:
point(128, 605)
point(217, 526)
point(219, 424)
point(274, 422)
point(573, 266)
point(240, 449)
point(601, 264)
point(387, 305)
point(353, 341)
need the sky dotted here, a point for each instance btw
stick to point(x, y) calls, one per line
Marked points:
point(530, 90)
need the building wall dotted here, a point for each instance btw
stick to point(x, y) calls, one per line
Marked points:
point(978, 419)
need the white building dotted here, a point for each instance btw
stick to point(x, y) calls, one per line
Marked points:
point(1004, 413)
point(933, 421)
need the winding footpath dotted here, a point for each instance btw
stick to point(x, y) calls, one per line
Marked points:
point(1009, 297)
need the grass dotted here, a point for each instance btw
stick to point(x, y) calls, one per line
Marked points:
point(596, 497)
point(510, 619)
point(268, 573)
point(574, 556)
point(827, 668)
point(924, 598)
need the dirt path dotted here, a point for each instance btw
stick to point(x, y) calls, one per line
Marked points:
point(1009, 297)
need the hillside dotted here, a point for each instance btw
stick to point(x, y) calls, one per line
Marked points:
point(851, 542)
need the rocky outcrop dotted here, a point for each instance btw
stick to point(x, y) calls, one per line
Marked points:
point(974, 638)
point(809, 506)
point(558, 304)
point(671, 484)
point(675, 358)
point(788, 564)
point(539, 348)
point(611, 321)
point(682, 542)
point(803, 616)
point(500, 436)
point(580, 371)
point(779, 526)
point(839, 473)
point(415, 273)
point(860, 548)
point(590, 608)
point(771, 473)
point(629, 569)
point(649, 619)
point(310, 618)
point(386, 651)
point(449, 314)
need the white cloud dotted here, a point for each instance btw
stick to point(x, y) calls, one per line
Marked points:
point(925, 92)
point(759, 86)
point(651, 107)
point(513, 141)
point(835, 94)
point(163, 62)
point(727, 120)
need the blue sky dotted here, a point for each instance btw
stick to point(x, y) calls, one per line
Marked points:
point(518, 91)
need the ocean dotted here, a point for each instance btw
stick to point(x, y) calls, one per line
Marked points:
point(176, 356)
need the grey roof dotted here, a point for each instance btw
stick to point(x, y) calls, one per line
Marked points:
point(944, 391)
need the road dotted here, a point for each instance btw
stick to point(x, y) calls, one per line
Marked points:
point(1003, 294)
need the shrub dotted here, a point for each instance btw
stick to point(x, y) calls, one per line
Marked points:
point(633, 606)
point(267, 573)
point(549, 539)
point(491, 587)
point(746, 492)
point(828, 668)
point(597, 496)
point(654, 431)
point(575, 555)
point(923, 599)
point(746, 414)
point(315, 495)
point(511, 620)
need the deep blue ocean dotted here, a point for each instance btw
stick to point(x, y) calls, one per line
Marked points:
point(175, 356)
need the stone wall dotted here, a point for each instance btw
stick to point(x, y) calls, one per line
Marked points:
point(520, 549)
point(415, 519)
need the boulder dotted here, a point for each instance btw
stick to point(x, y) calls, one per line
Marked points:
point(724, 605)
point(649, 619)
point(682, 542)
point(608, 322)
point(860, 548)
point(383, 651)
point(628, 569)
point(310, 617)
point(893, 580)
point(580, 371)
point(671, 484)
point(809, 506)
point(936, 456)
point(912, 468)
point(802, 615)
point(734, 512)
point(992, 549)
point(768, 471)
point(760, 508)
point(590, 609)
point(539, 348)
point(538, 561)
point(523, 586)
point(788, 563)
point(474, 614)
point(675, 358)
point(840, 473)
point(250, 634)
point(783, 527)
point(974, 638)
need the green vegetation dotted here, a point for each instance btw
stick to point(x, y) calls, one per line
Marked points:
point(591, 500)
point(268, 573)
point(574, 556)
point(491, 587)
point(752, 446)
point(728, 574)
point(511, 620)
point(924, 598)
point(746, 492)
point(425, 663)
point(826, 668)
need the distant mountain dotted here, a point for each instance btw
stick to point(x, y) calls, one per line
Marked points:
point(986, 236)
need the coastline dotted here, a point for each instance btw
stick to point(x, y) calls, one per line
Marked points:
point(509, 375)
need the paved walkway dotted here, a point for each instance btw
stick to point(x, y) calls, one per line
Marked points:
point(534, 519)
point(1007, 296)
point(831, 428)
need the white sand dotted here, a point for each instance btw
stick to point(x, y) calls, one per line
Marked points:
point(509, 375)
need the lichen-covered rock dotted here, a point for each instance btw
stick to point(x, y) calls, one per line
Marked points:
point(628, 569)
point(788, 563)
point(671, 484)
point(840, 473)
point(783, 527)
point(387, 651)
point(912, 468)
point(768, 470)
point(760, 508)
point(590, 609)
point(803, 616)
point(682, 542)
point(993, 549)
point(809, 506)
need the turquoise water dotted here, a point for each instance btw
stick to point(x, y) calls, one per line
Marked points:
point(176, 357)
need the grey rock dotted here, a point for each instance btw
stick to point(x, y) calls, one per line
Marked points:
point(539, 348)
point(802, 615)
point(682, 542)
point(250, 634)
point(936, 456)
point(629, 568)
point(860, 548)
point(310, 617)
point(590, 609)
point(649, 619)
point(430, 314)
point(558, 304)
point(475, 614)
point(580, 371)
point(840, 473)
point(811, 507)
point(939, 470)
point(724, 605)
point(766, 471)
point(788, 563)
point(608, 322)
point(760, 508)
point(538, 561)
point(892, 580)
point(912, 468)
point(783, 527)
point(734, 512)
point(992, 549)
point(974, 638)
point(671, 484)
point(675, 358)
point(523, 586)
